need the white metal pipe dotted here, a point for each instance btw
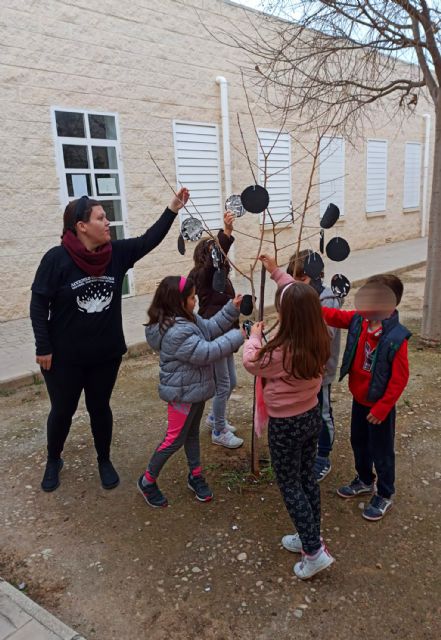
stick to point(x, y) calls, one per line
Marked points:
point(424, 212)
point(225, 116)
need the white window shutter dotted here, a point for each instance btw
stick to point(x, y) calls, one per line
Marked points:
point(278, 170)
point(332, 173)
point(412, 175)
point(376, 176)
point(198, 168)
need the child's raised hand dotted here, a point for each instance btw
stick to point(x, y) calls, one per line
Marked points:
point(257, 329)
point(268, 262)
point(228, 222)
point(237, 300)
point(179, 200)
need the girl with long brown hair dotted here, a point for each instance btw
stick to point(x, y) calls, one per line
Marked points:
point(291, 366)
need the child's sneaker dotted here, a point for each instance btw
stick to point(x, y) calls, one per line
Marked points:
point(227, 439)
point(355, 488)
point(310, 565)
point(200, 487)
point(322, 467)
point(210, 423)
point(292, 543)
point(152, 494)
point(377, 508)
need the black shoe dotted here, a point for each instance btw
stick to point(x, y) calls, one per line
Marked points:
point(322, 467)
point(200, 487)
point(152, 494)
point(51, 480)
point(108, 475)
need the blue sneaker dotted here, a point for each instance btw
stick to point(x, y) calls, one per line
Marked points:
point(152, 494)
point(377, 508)
point(200, 488)
point(355, 488)
point(322, 467)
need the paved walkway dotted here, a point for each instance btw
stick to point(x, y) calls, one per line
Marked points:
point(17, 363)
point(23, 619)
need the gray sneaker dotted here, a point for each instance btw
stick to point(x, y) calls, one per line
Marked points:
point(355, 488)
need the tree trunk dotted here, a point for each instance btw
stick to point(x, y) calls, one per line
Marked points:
point(431, 321)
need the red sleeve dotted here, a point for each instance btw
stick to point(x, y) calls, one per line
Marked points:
point(338, 317)
point(396, 385)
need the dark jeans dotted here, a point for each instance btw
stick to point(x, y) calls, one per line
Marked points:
point(373, 446)
point(64, 383)
point(293, 447)
point(327, 432)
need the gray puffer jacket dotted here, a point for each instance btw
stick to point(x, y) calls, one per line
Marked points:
point(187, 353)
point(328, 299)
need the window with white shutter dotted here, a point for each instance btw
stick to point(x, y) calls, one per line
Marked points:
point(332, 173)
point(376, 176)
point(198, 168)
point(278, 171)
point(412, 175)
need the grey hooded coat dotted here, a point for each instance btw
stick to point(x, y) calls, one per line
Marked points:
point(187, 353)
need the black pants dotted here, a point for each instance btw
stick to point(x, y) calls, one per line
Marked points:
point(293, 448)
point(373, 446)
point(64, 383)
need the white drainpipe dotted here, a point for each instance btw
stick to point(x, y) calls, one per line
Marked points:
point(222, 82)
point(424, 212)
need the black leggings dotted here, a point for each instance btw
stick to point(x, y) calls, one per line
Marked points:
point(64, 383)
point(293, 447)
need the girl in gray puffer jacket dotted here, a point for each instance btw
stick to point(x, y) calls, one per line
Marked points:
point(188, 346)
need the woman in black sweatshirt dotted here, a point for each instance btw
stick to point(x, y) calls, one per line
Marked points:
point(77, 322)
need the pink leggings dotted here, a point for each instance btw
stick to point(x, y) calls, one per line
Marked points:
point(182, 430)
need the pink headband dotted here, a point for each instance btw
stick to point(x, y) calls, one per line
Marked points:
point(182, 283)
point(283, 292)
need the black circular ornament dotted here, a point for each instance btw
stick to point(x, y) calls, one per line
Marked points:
point(337, 249)
point(255, 198)
point(313, 265)
point(330, 216)
point(246, 306)
point(181, 245)
point(192, 229)
point(234, 204)
point(340, 285)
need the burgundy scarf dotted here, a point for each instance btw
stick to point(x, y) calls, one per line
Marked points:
point(94, 263)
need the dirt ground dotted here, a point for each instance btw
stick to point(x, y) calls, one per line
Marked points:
point(113, 568)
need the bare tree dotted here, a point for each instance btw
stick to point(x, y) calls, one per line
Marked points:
point(338, 59)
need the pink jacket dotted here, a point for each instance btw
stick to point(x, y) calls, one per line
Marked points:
point(284, 396)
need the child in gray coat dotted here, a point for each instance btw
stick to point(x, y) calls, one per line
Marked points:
point(188, 346)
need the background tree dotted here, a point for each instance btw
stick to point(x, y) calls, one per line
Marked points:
point(338, 59)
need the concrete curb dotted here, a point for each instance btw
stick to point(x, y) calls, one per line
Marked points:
point(32, 609)
point(141, 348)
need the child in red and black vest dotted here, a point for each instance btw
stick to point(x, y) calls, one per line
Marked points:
point(377, 363)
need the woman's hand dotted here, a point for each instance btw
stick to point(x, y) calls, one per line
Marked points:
point(45, 362)
point(257, 329)
point(228, 222)
point(268, 262)
point(237, 300)
point(179, 200)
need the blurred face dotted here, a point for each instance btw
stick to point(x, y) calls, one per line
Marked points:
point(375, 302)
point(190, 301)
point(97, 231)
